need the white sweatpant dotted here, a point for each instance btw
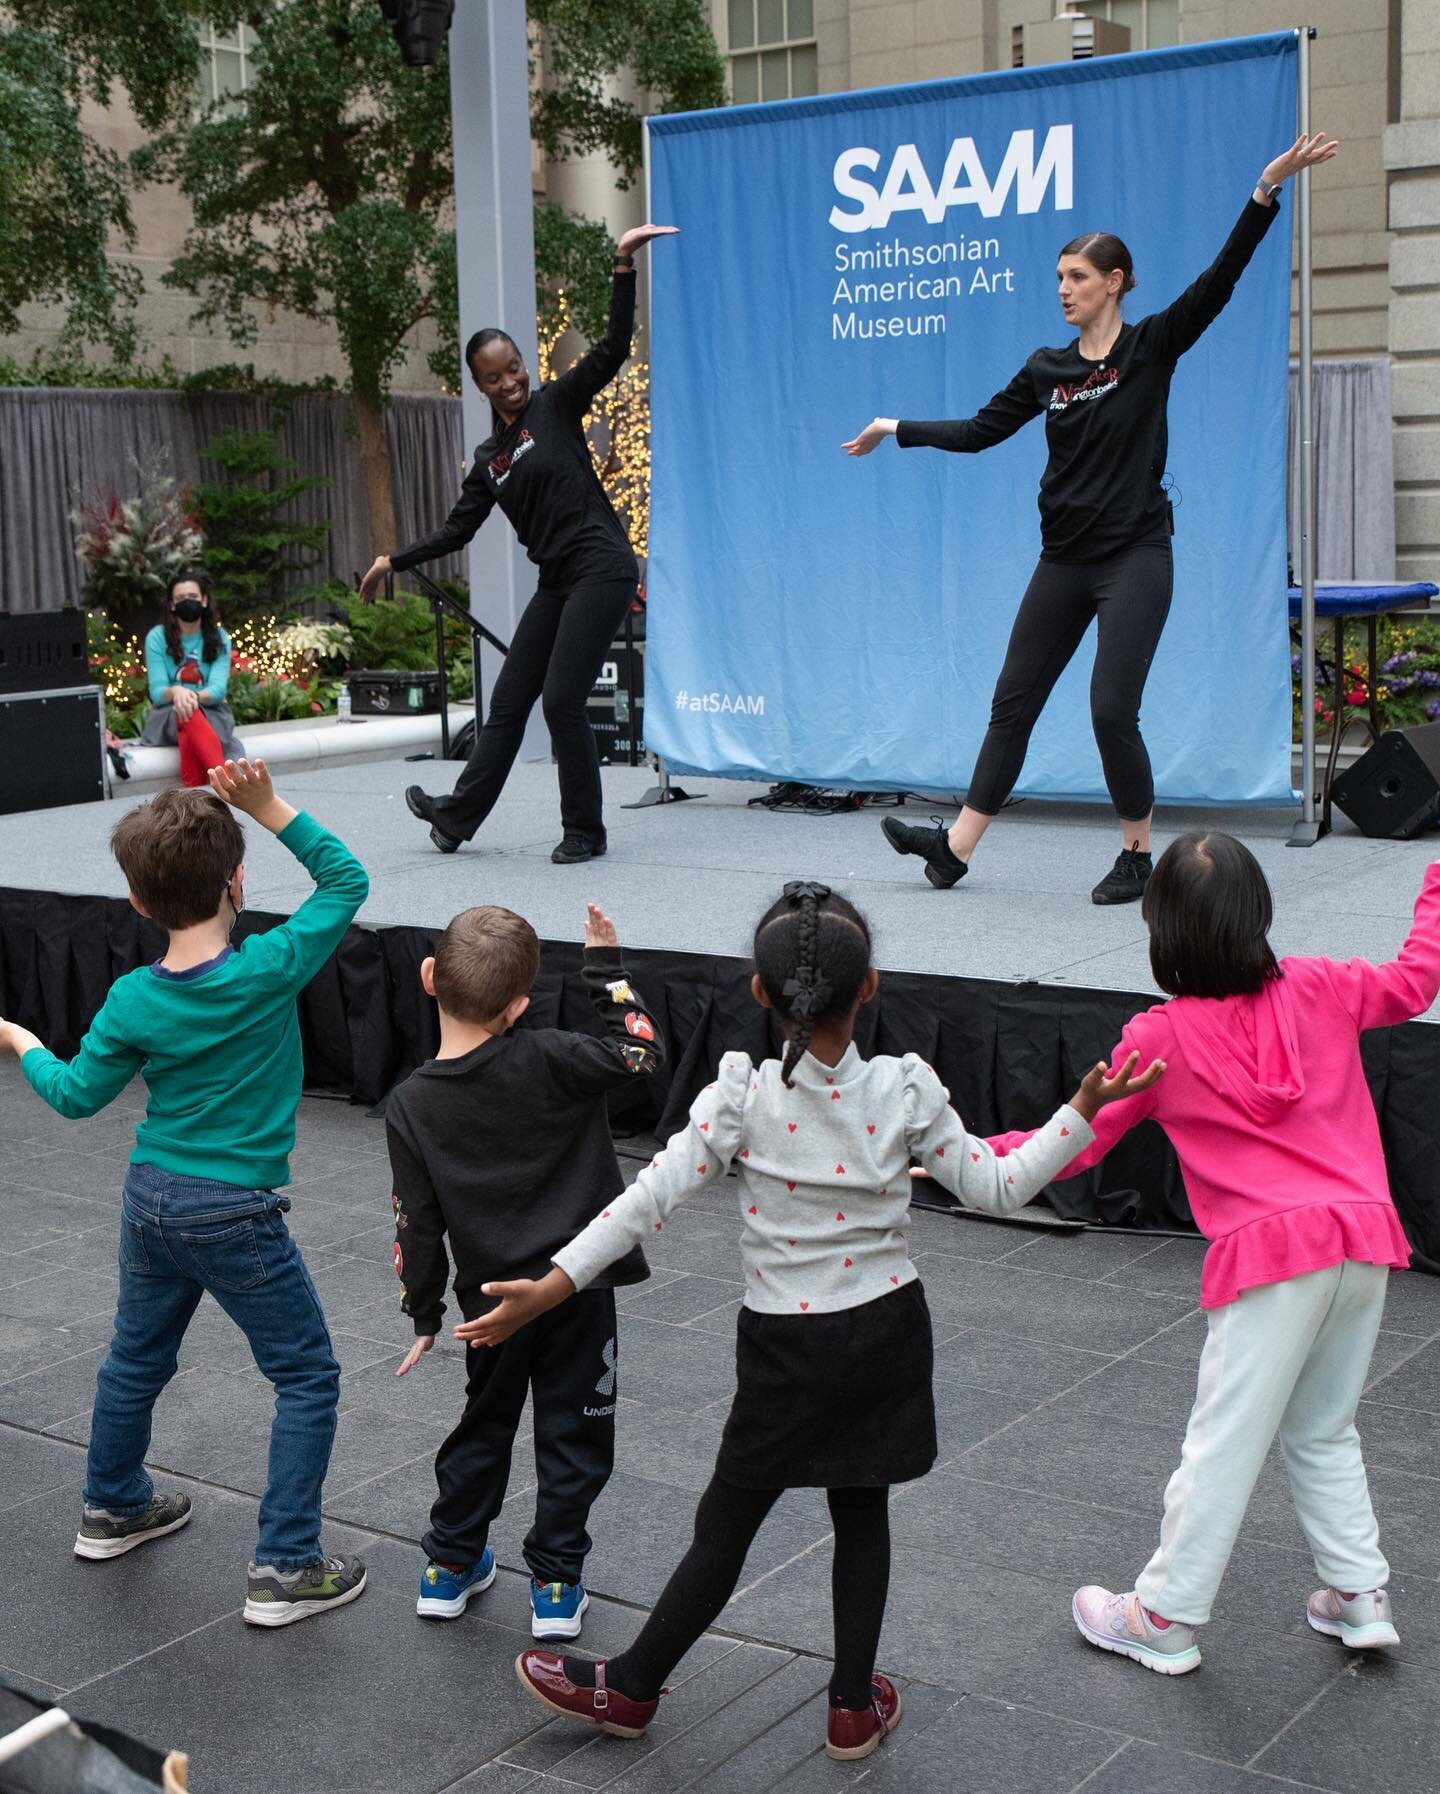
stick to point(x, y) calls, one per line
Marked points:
point(1290, 1357)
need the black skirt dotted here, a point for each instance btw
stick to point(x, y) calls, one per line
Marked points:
point(833, 1401)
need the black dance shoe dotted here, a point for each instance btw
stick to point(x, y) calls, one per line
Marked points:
point(420, 804)
point(1126, 880)
point(942, 868)
point(578, 847)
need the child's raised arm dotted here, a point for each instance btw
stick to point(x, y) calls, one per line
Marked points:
point(634, 1045)
point(1403, 987)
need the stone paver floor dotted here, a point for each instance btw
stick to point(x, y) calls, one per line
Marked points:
point(1064, 1369)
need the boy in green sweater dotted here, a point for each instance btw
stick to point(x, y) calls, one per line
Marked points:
point(213, 1030)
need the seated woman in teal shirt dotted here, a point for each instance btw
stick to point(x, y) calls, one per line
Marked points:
point(187, 658)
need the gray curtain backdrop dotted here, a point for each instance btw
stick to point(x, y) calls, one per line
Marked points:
point(58, 444)
point(1354, 471)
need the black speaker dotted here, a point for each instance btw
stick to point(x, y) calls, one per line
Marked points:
point(43, 650)
point(1393, 791)
point(51, 749)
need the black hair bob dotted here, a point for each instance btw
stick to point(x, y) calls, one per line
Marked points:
point(1209, 909)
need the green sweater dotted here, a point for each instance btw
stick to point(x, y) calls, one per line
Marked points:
point(219, 1048)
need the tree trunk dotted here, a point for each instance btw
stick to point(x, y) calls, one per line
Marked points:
point(375, 469)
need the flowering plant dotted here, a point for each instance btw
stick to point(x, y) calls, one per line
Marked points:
point(117, 664)
point(132, 548)
point(1407, 682)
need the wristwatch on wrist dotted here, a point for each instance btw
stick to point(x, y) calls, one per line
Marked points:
point(1268, 188)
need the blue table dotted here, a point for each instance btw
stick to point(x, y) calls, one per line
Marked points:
point(1367, 601)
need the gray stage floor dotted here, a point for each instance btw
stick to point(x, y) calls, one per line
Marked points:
point(1064, 1370)
point(695, 876)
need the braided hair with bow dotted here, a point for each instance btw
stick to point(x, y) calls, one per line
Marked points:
point(812, 951)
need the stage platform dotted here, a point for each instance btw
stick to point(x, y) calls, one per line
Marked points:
point(693, 877)
point(1011, 984)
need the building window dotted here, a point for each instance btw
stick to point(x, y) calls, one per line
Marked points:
point(227, 65)
point(772, 49)
point(1153, 23)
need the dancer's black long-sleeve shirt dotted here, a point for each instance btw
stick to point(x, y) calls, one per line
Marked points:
point(1104, 420)
point(539, 472)
point(508, 1150)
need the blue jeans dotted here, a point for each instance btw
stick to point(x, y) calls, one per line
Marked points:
point(181, 1236)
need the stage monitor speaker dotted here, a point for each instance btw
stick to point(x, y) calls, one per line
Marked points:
point(43, 650)
point(52, 749)
point(1392, 791)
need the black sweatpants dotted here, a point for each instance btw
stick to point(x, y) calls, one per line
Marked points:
point(726, 1523)
point(567, 1357)
point(556, 654)
point(1128, 595)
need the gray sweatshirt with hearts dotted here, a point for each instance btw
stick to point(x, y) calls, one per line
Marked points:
point(823, 1176)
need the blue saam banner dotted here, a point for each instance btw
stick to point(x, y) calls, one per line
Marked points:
point(892, 253)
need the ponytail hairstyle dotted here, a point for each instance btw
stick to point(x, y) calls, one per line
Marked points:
point(482, 340)
point(1107, 253)
point(812, 951)
point(210, 647)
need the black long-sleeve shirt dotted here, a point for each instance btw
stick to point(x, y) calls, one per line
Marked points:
point(508, 1150)
point(539, 472)
point(1104, 420)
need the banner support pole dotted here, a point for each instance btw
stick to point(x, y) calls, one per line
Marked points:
point(1309, 828)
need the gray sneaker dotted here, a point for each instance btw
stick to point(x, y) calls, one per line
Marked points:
point(280, 1597)
point(1119, 1623)
point(103, 1534)
point(1363, 1621)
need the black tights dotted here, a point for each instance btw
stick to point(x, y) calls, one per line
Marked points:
point(1129, 596)
point(726, 1522)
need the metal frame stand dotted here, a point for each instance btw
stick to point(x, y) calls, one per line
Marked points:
point(663, 793)
point(442, 604)
point(1311, 824)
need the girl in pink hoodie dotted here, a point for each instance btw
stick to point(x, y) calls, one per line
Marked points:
point(1266, 1105)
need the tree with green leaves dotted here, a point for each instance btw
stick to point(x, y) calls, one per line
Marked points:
point(63, 194)
point(251, 548)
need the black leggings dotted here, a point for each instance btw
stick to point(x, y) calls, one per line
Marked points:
point(1129, 596)
point(726, 1522)
point(556, 653)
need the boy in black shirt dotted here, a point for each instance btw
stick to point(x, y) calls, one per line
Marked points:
point(502, 1142)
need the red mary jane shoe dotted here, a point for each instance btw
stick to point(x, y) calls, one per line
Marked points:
point(543, 1674)
point(849, 1734)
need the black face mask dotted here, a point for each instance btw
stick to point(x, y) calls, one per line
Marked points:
point(189, 610)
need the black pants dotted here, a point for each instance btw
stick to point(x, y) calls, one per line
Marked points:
point(1129, 596)
point(567, 1357)
point(726, 1522)
point(556, 654)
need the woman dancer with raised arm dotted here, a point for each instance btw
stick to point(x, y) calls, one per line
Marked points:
point(1105, 524)
point(536, 467)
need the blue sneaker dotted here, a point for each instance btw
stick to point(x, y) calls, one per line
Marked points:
point(557, 1608)
point(443, 1593)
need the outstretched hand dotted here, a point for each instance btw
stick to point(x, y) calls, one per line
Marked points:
point(370, 585)
point(599, 929)
point(246, 786)
point(870, 437)
point(1304, 152)
point(1098, 1087)
point(643, 234)
point(519, 1302)
point(424, 1342)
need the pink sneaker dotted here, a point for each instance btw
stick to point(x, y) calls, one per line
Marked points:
point(1119, 1623)
point(1362, 1621)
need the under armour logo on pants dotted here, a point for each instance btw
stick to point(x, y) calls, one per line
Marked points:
point(606, 1385)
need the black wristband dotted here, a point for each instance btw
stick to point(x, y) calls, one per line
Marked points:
point(625, 262)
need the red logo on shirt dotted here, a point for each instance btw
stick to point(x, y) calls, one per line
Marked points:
point(1095, 386)
point(639, 1025)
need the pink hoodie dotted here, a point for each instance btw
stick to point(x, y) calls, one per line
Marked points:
point(1266, 1105)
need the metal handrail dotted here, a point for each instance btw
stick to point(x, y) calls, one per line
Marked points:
point(440, 602)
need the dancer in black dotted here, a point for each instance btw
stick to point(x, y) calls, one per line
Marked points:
point(536, 467)
point(1105, 524)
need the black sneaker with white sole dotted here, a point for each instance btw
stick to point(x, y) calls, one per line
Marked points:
point(1126, 880)
point(942, 868)
point(103, 1534)
point(420, 804)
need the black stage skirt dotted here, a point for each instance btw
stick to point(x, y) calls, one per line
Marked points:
point(833, 1401)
